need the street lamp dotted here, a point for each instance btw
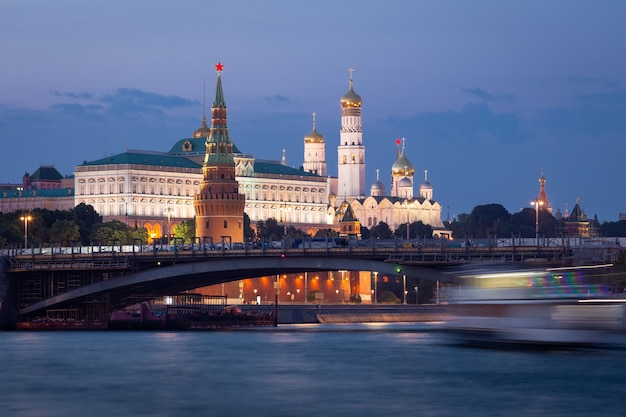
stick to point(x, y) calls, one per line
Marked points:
point(168, 211)
point(375, 285)
point(537, 203)
point(404, 288)
point(26, 219)
point(408, 214)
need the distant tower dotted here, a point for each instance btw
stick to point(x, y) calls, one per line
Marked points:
point(543, 197)
point(351, 152)
point(315, 152)
point(402, 173)
point(219, 206)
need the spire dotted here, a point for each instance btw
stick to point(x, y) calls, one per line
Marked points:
point(219, 94)
point(543, 197)
point(283, 160)
point(219, 146)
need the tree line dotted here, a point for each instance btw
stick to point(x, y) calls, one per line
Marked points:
point(82, 224)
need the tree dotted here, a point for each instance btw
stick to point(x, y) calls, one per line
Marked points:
point(388, 297)
point(323, 233)
point(489, 219)
point(64, 232)
point(416, 229)
point(270, 229)
point(86, 218)
point(248, 232)
point(381, 231)
point(118, 232)
point(186, 230)
point(613, 229)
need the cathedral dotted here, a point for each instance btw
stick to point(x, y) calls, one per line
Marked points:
point(156, 190)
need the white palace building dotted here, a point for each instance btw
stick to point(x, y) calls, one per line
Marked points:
point(155, 190)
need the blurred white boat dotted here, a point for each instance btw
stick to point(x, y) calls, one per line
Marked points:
point(535, 309)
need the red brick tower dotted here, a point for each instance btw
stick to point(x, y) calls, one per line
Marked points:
point(219, 206)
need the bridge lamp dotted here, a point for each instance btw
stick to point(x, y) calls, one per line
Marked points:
point(408, 214)
point(537, 203)
point(404, 288)
point(26, 219)
point(168, 211)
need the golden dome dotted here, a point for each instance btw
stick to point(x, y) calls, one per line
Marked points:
point(314, 137)
point(351, 99)
point(402, 167)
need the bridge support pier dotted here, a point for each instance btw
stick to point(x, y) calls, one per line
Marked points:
point(8, 308)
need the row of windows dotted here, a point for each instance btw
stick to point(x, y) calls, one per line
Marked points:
point(142, 188)
point(289, 198)
point(142, 209)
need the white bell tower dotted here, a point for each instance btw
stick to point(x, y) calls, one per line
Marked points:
point(351, 152)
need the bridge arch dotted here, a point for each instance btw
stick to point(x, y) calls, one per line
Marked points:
point(156, 282)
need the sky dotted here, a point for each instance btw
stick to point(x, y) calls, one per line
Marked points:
point(487, 94)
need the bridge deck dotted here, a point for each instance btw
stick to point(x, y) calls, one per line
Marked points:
point(116, 260)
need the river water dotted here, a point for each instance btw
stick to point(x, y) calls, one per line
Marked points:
point(299, 370)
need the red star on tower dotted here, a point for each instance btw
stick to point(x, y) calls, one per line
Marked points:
point(219, 67)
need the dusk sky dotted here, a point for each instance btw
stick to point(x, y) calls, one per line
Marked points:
point(488, 94)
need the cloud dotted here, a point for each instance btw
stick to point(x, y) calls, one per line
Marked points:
point(475, 122)
point(594, 115)
point(484, 95)
point(77, 108)
point(278, 99)
point(594, 82)
point(132, 101)
point(80, 96)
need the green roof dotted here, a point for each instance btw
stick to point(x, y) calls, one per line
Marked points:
point(156, 159)
point(49, 192)
point(277, 168)
point(198, 146)
point(46, 173)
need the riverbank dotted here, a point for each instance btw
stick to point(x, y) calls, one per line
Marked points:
point(354, 313)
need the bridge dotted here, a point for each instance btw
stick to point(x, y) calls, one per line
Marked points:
point(118, 276)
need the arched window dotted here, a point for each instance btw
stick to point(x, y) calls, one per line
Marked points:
point(225, 224)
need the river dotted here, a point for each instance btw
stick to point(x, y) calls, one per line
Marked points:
point(299, 370)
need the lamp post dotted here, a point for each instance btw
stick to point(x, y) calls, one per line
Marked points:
point(26, 219)
point(404, 289)
point(408, 221)
point(537, 203)
point(375, 286)
point(168, 211)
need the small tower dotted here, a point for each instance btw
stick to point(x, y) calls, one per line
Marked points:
point(349, 225)
point(315, 152)
point(543, 197)
point(378, 188)
point(426, 189)
point(219, 206)
point(351, 152)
